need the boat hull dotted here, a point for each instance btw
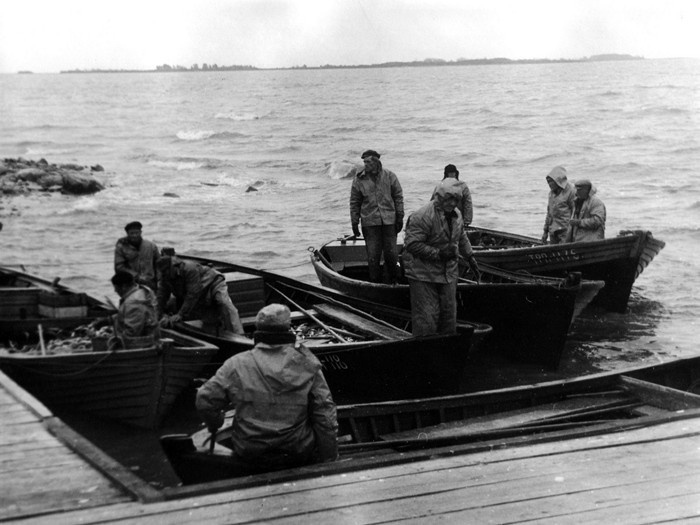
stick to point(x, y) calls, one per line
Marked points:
point(617, 261)
point(136, 387)
point(362, 370)
point(530, 317)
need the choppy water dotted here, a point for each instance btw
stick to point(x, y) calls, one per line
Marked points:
point(181, 149)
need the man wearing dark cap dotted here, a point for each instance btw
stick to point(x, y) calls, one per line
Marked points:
point(200, 292)
point(136, 255)
point(587, 221)
point(376, 201)
point(465, 202)
point(284, 412)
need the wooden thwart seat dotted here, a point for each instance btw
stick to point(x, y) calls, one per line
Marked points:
point(359, 323)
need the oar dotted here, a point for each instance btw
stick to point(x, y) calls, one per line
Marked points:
point(309, 314)
point(41, 339)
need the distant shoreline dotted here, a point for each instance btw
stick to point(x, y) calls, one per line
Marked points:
point(196, 68)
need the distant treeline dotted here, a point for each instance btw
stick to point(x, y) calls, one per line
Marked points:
point(428, 62)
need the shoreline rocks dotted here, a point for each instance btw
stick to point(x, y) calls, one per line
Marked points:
point(21, 176)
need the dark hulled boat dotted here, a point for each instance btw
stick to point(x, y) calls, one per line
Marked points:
point(530, 315)
point(617, 261)
point(374, 358)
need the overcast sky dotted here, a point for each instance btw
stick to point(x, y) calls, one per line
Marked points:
point(55, 35)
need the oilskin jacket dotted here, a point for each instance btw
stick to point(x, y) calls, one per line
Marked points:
point(376, 200)
point(465, 202)
point(139, 262)
point(281, 399)
point(189, 282)
point(592, 216)
point(137, 318)
point(427, 232)
point(560, 206)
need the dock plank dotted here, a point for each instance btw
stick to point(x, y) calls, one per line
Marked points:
point(606, 475)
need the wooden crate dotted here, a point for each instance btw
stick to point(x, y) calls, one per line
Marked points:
point(57, 305)
point(247, 292)
point(20, 302)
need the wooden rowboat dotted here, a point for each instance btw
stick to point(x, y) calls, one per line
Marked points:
point(530, 315)
point(136, 387)
point(27, 300)
point(618, 260)
point(381, 434)
point(366, 349)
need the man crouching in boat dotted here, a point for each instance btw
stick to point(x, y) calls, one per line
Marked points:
point(284, 413)
point(136, 322)
point(200, 293)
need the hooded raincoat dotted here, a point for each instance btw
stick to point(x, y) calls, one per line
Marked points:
point(465, 202)
point(560, 206)
point(137, 320)
point(284, 411)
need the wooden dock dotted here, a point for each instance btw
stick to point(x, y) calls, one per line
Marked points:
point(645, 475)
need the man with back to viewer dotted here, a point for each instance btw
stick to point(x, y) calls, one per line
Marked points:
point(465, 202)
point(136, 322)
point(284, 411)
point(136, 255)
point(376, 201)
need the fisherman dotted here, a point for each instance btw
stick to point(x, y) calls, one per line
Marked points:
point(136, 322)
point(560, 206)
point(284, 411)
point(435, 238)
point(136, 255)
point(587, 221)
point(376, 200)
point(465, 202)
point(200, 292)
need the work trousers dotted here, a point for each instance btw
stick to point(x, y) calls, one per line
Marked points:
point(378, 240)
point(433, 307)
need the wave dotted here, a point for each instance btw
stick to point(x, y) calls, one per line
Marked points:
point(237, 116)
point(342, 169)
point(184, 164)
point(200, 134)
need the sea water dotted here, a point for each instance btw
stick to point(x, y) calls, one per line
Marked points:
point(183, 151)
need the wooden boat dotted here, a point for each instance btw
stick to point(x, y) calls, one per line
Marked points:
point(530, 315)
point(366, 349)
point(136, 387)
point(380, 434)
point(618, 260)
point(27, 300)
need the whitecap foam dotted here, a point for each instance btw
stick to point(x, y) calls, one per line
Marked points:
point(199, 134)
point(179, 165)
point(342, 169)
point(237, 116)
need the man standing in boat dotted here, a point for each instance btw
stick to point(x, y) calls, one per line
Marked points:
point(136, 255)
point(200, 292)
point(284, 411)
point(136, 322)
point(376, 201)
point(465, 202)
point(435, 238)
point(560, 206)
point(588, 218)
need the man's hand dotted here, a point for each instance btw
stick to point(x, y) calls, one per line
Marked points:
point(169, 321)
point(575, 222)
point(544, 236)
point(448, 253)
point(474, 268)
point(356, 230)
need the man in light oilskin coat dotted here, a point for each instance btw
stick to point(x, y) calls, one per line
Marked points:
point(284, 412)
point(376, 201)
point(588, 218)
point(435, 238)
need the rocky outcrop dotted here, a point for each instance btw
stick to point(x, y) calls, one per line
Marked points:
point(21, 176)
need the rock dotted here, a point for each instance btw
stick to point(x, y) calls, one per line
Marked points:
point(30, 174)
point(74, 167)
point(80, 184)
point(96, 167)
point(173, 195)
point(251, 188)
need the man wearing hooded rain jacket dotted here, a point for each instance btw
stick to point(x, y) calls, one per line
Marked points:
point(587, 221)
point(434, 240)
point(560, 206)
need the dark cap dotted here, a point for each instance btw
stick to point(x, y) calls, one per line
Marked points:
point(451, 168)
point(122, 278)
point(370, 153)
point(135, 225)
